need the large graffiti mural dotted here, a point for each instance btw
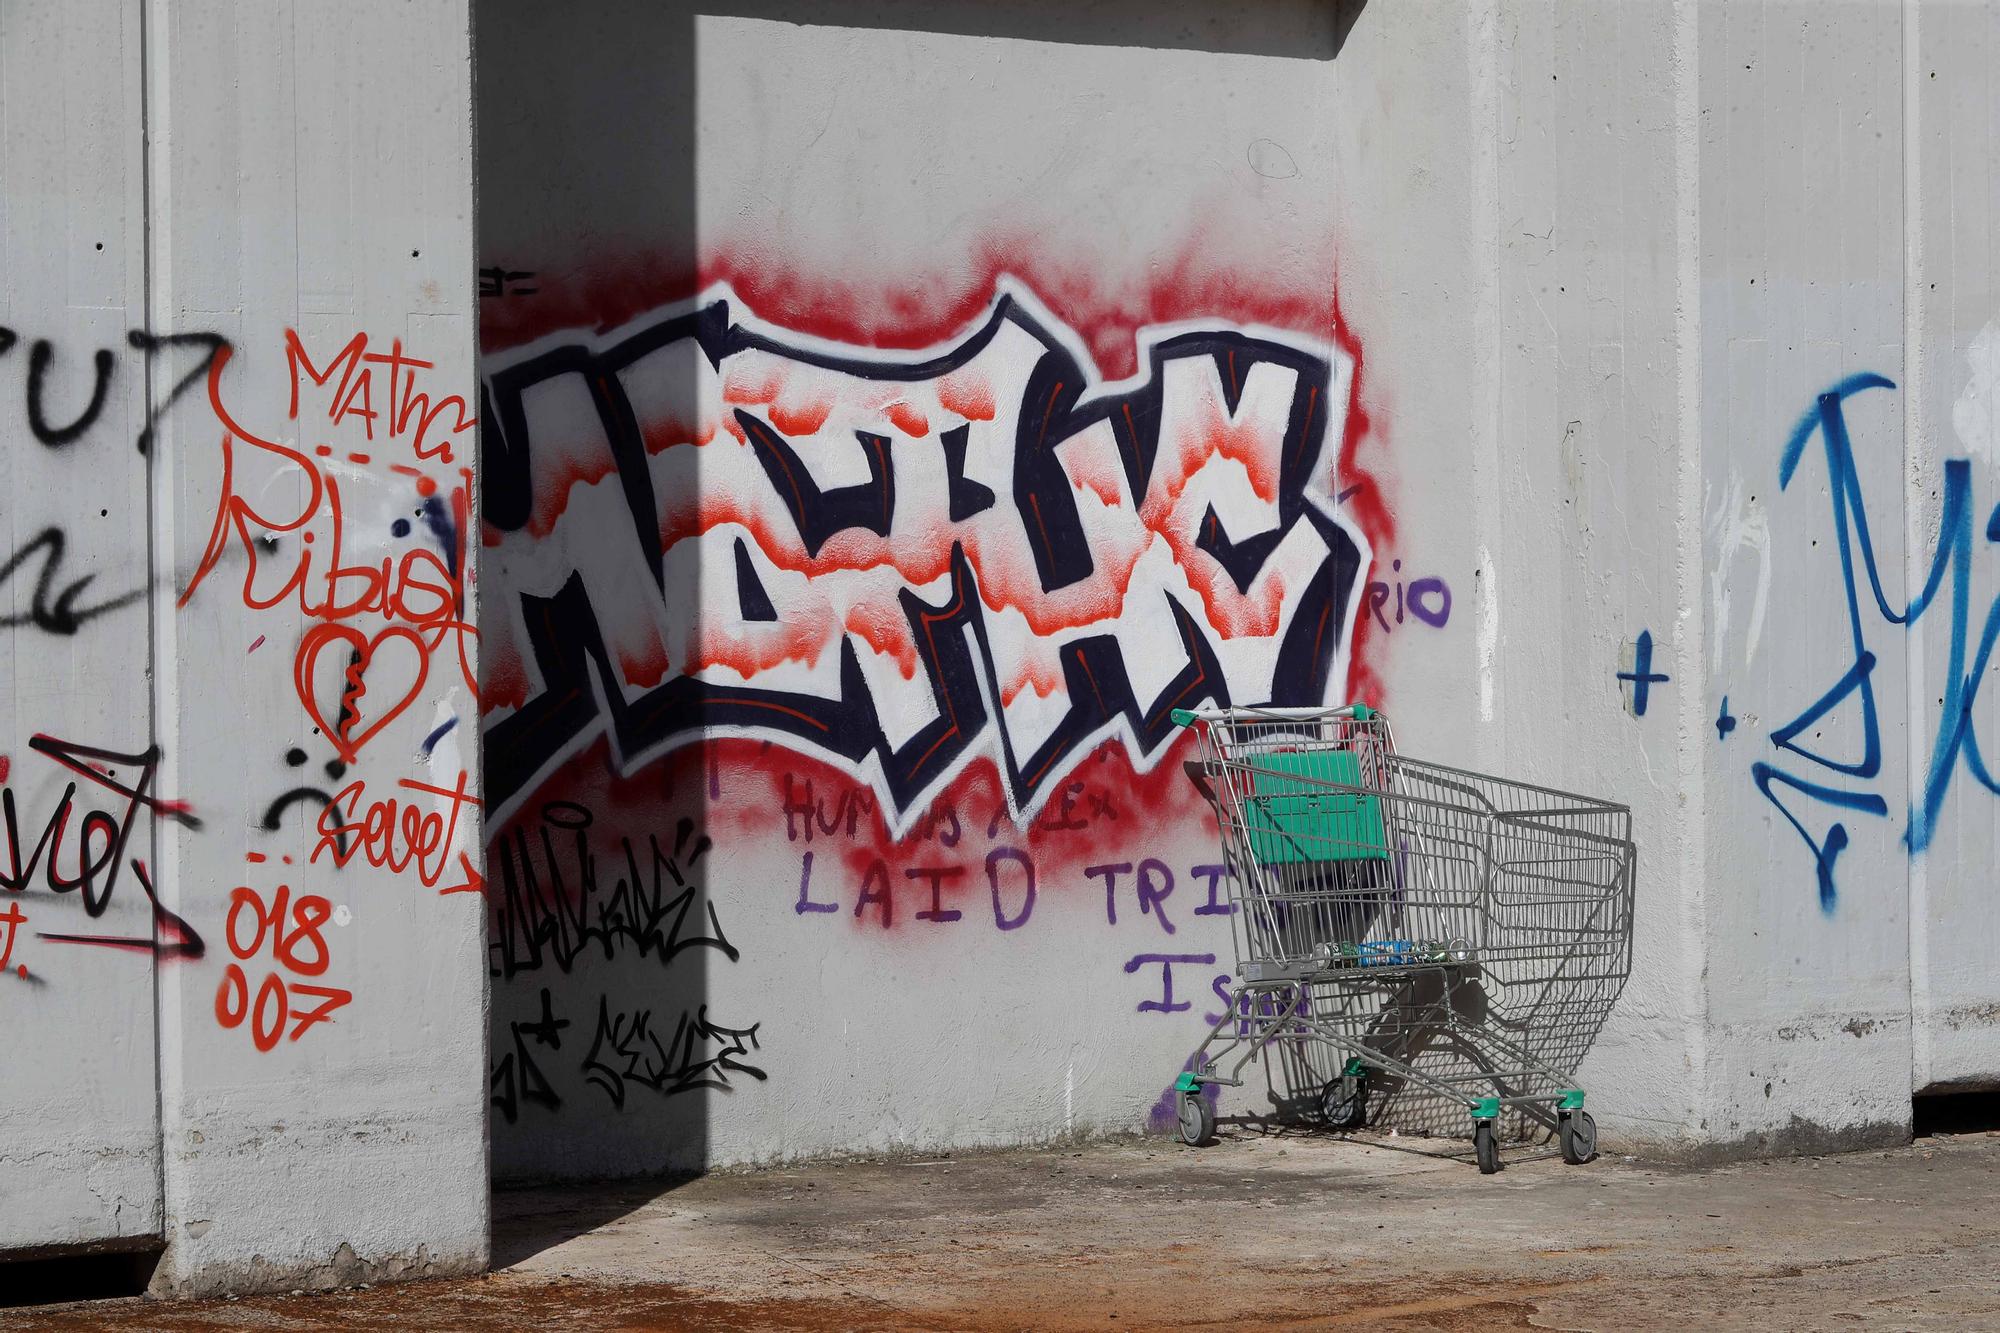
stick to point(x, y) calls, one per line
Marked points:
point(894, 634)
point(896, 563)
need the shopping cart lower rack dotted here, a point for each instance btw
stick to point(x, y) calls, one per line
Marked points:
point(1379, 899)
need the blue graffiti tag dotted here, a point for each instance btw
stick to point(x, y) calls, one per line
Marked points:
point(1642, 675)
point(1953, 552)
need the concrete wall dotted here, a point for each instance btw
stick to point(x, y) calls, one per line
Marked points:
point(78, 1044)
point(242, 999)
point(746, 400)
point(1566, 277)
point(1802, 288)
point(888, 412)
point(1951, 396)
point(1847, 387)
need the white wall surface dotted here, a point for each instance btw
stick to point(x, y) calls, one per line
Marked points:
point(79, 1138)
point(1952, 410)
point(1847, 249)
point(1527, 301)
point(1592, 264)
point(1802, 254)
point(284, 614)
point(1422, 203)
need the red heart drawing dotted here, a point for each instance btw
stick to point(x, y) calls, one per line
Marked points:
point(361, 650)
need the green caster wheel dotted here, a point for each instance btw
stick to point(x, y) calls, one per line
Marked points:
point(1196, 1119)
point(1578, 1134)
point(1485, 1148)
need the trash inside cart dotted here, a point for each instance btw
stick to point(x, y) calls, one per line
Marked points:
point(1370, 882)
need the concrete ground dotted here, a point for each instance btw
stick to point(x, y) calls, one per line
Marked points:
point(1290, 1231)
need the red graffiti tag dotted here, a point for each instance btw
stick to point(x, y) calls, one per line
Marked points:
point(299, 948)
point(346, 732)
point(295, 542)
point(394, 834)
point(11, 921)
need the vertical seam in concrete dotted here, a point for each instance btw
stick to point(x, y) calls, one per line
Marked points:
point(298, 172)
point(149, 318)
point(169, 1047)
point(1915, 420)
point(1483, 57)
point(475, 754)
point(1689, 637)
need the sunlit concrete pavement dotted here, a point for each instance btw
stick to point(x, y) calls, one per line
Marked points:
point(1290, 1231)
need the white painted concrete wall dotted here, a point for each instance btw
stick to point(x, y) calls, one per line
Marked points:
point(1951, 320)
point(1847, 248)
point(1802, 286)
point(1423, 204)
point(77, 1043)
point(277, 1073)
point(1592, 263)
point(1557, 283)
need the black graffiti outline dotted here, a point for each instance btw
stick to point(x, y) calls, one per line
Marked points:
point(55, 437)
point(582, 691)
point(56, 610)
point(173, 936)
point(274, 813)
point(41, 354)
point(537, 923)
point(517, 1078)
point(150, 344)
point(674, 1069)
point(63, 616)
point(96, 764)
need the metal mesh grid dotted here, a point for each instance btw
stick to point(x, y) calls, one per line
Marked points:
point(1462, 934)
point(1346, 853)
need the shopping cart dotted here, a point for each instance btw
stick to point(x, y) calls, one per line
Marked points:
point(1380, 902)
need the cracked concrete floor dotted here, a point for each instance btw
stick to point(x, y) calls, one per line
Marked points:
point(1290, 1231)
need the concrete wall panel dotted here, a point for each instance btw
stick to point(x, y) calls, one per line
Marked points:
point(1952, 275)
point(807, 995)
point(313, 194)
point(1802, 252)
point(79, 1144)
point(239, 624)
point(889, 411)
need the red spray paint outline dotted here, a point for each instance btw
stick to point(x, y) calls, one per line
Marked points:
point(615, 289)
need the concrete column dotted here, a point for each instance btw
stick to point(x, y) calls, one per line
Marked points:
point(322, 1088)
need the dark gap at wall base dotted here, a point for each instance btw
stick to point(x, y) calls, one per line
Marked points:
point(1976, 1112)
point(61, 1278)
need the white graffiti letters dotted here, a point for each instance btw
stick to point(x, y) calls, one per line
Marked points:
point(898, 561)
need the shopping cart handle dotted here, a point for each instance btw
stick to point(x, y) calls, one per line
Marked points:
point(1187, 717)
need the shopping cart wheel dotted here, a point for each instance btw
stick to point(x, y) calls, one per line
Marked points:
point(1484, 1148)
point(1343, 1103)
point(1197, 1119)
point(1578, 1133)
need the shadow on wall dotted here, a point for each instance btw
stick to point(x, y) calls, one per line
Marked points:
point(608, 1053)
point(1300, 29)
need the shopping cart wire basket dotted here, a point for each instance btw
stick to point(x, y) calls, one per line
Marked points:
point(1369, 881)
